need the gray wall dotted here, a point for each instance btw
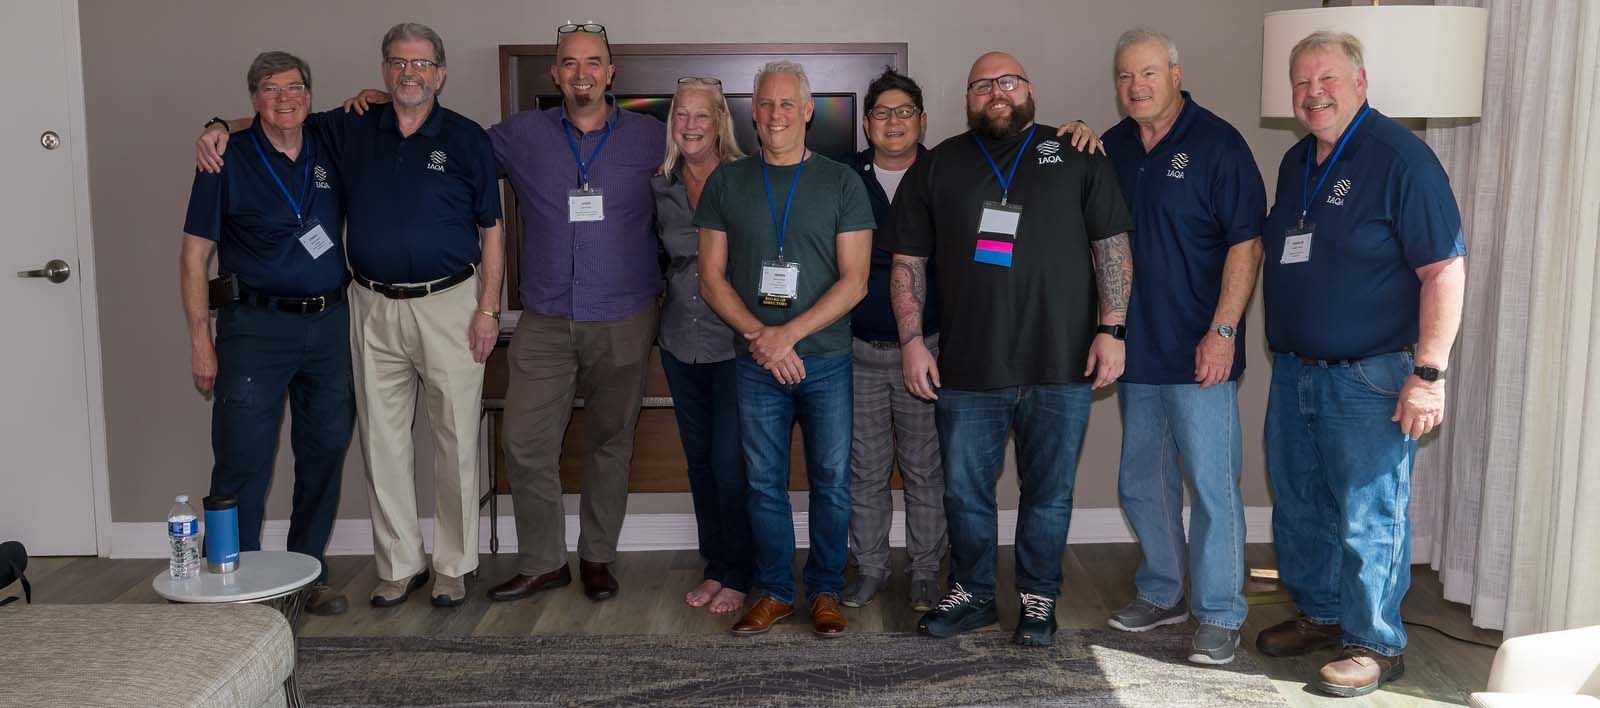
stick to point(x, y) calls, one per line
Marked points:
point(154, 72)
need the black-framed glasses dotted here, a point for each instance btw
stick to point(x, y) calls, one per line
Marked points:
point(709, 80)
point(400, 64)
point(585, 27)
point(882, 113)
point(1007, 82)
point(290, 91)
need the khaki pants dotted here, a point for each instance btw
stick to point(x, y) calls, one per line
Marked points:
point(393, 345)
point(551, 359)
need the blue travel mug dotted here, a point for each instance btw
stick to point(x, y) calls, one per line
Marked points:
point(222, 533)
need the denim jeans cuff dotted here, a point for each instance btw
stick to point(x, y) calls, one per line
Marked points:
point(1383, 649)
point(780, 599)
point(812, 596)
point(1230, 626)
point(1163, 605)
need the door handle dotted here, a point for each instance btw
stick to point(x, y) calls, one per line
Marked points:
point(56, 271)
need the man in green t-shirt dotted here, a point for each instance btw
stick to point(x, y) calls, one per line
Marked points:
point(785, 247)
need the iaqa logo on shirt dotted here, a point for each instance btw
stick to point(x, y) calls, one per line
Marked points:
point(1047, 152)
point(1180, 162)
point(436, 160)
point(320, 175)
point(1341, 189)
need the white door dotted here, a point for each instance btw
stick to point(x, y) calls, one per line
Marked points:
point(46, 488)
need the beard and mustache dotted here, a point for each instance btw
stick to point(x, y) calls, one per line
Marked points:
point(1000, 128)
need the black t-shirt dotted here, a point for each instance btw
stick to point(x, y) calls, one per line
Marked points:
point(1030, 323)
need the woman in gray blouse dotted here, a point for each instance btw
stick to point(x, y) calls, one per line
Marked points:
point(697, 348)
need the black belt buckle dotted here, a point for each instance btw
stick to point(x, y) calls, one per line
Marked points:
point(314, 304)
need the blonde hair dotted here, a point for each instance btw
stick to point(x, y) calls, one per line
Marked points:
point(727, 146)
point(1321, 39)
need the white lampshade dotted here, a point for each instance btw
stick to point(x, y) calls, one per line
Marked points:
point(1422, 61)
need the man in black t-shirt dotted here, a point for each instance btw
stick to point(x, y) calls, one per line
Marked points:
point(1031, 244)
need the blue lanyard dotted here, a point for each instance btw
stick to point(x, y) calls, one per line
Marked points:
point(583, 166)
point(773, 208)
point(306, 179)
point(1005, 181)
point(1305, 199)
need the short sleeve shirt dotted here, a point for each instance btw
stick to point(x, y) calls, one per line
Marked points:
point(1193, 196)
point(1030, 323)
point(1385, 210)
point(828, 201)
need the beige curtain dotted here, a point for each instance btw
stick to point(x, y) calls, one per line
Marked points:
point(1506, 499)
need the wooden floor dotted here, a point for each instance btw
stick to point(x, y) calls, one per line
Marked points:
point(1439, 670)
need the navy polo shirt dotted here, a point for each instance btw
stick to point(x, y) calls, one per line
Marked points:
point(873, 319)
point(257, 234)
point(1196, 194)
point(415, 203)
point(1385, 210)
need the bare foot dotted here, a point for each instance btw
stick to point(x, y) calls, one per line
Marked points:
point(702, 593)
point(727, 601)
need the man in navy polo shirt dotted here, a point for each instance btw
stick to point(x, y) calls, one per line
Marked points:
point(426, 256)
point(1363, 284)
point(275, 219)
point(1197, 202)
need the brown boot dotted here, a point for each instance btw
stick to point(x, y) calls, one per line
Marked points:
point(598, 583)
point(1359, 671)
point(826, 621)
point(1298, 636)
point(760, 618)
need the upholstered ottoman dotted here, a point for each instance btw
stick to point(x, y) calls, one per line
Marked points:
point(86, 656)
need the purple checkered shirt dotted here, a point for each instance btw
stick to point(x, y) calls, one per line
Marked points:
point(593, 271)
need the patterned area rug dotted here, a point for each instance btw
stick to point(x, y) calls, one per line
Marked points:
point(1084, 668)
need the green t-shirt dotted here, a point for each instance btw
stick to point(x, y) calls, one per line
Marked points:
point(829, 200)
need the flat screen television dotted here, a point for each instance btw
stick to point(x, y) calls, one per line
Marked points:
point(832, 131)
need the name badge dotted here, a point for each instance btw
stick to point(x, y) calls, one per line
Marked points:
point(585, 205)
point(997, 233)
point(315, 240)
point(780, 282)
point(1297, 244)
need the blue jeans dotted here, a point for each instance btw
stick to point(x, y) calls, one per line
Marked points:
point(1341, 481)
point(1049, 421)
point(707, 407)
point(264, 356)
point(768, 410)
point(1160, 424)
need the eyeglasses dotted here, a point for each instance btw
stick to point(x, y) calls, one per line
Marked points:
point(901, 112)
point(399, 64)
point(1008, 82)
point(585, 27)
point(273, 92)
point(699, 79)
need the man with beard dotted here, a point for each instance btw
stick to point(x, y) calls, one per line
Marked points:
point(425, 253)
point(1035, 276)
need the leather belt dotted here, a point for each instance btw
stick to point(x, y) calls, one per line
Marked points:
point(302, 305)
point(407, 292)
point(1325, 363)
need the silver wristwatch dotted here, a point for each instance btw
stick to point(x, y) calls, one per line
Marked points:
point(1224, 331)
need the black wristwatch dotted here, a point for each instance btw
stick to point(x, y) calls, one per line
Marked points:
point(214, 119)
point(1429, 373)
point(1117, 332)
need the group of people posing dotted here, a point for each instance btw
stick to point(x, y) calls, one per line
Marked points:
point(911, 308)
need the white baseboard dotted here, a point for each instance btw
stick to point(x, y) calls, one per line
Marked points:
point(643, 532)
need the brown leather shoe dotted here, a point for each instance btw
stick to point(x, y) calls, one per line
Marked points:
point(325, 601)
point(1298, 636)
point(520, 586)
point(1359, 671)
point(826, 621)
point(598, 583)
point(760, 618)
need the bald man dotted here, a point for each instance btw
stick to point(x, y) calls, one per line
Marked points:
point(1030, 241)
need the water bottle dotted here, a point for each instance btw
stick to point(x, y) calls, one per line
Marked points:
point(183, 531)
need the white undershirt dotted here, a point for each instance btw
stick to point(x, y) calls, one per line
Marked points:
point(890, 179)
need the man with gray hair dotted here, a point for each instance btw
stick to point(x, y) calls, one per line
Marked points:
point(1197, 202)
point(785, 247)
point(1363, 285)
point(425, 252)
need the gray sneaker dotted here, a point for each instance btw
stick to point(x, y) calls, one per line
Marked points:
point(1213, 645)
point(860, 591)
point(1140, 616)
point(924, 593)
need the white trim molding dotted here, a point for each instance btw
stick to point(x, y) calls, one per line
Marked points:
point(644, 532)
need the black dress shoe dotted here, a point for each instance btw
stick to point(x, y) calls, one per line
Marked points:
point(598, 583)
point(520, 586)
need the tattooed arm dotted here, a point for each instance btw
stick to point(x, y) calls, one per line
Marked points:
point(908, 292)
point(1113, 276)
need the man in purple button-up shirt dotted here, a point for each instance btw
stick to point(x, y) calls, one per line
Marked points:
point(590, 278)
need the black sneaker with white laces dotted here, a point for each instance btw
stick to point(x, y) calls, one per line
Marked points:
point(1036, 624)
point(958, 612)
